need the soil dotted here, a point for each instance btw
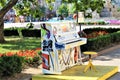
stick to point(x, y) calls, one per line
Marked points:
point(19, 76)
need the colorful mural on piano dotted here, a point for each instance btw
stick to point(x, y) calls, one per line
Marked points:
point(60, 46)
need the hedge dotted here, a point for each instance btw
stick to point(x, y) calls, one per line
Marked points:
point(109, 30)
point(22, 32)
point(100, 42)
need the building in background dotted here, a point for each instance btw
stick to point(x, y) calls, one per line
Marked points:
point(113, 6)
point(116, 2)
point(10, 16)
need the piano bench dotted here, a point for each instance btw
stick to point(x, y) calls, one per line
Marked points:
point(90, 65)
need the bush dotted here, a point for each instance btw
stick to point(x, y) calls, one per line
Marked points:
point(30, 25)
point(32, 57)
point(31, 33)
point(115, 37)
point(34, 62)
point(22, 32)
point(11, 32)
point(9, 65)
point(109, 30)
point(100, 42)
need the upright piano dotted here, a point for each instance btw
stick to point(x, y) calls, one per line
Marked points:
point(60, 46)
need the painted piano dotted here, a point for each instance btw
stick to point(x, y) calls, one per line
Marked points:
point(60, 44)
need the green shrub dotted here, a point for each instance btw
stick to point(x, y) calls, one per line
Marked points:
point(22, 32)
point(109, 30)
point(34, 62)
point(31, 33)
point(100, 42)
point(9, 65)
point(115, 37)
point(97, 43)
point(30, 25)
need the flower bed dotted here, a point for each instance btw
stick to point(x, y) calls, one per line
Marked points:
point(27, 54)
point(96, 34)
point(100, 38)
point(13, 62)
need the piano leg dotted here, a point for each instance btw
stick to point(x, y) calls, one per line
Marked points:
point(80, 58)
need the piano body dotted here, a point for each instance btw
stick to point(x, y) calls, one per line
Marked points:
point(60, 46)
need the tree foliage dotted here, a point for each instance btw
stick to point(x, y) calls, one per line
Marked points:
point(26, 7)
point(63, 10)
point(30, 8)
point(2, 3)
point(71, 8)
point(49, 3)
point(83, 5)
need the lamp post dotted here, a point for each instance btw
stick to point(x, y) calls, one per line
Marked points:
point(78, 22)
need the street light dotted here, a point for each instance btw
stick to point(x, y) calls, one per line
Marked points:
point(79, 15)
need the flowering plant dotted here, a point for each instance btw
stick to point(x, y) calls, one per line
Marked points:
point(96, 34)
point(29, 56)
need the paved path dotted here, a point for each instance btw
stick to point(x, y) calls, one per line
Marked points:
point(110, 58)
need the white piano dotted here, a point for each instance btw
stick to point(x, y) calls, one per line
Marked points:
point(60, 46)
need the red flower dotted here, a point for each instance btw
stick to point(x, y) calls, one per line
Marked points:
point(38, 49)
point(1, 55)
point(9, 54)
point(27, 54)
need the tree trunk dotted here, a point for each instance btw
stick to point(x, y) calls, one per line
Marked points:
point(2, 40)
point(3, 11)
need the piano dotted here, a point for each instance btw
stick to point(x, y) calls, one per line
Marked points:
point(60, 46)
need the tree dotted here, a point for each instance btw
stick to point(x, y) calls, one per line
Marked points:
point(5, 6)
point(63, 10)
point(83, 5)
point(49, 3)
point(22, 7)
point(30, 8)
point(71, 8)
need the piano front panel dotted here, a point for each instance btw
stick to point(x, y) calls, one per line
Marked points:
point(68, 58)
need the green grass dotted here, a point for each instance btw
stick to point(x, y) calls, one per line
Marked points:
point(16, 44)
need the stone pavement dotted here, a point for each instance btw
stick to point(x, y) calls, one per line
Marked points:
point(109, 57)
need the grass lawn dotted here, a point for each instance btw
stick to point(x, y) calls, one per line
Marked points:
point(15, 44)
